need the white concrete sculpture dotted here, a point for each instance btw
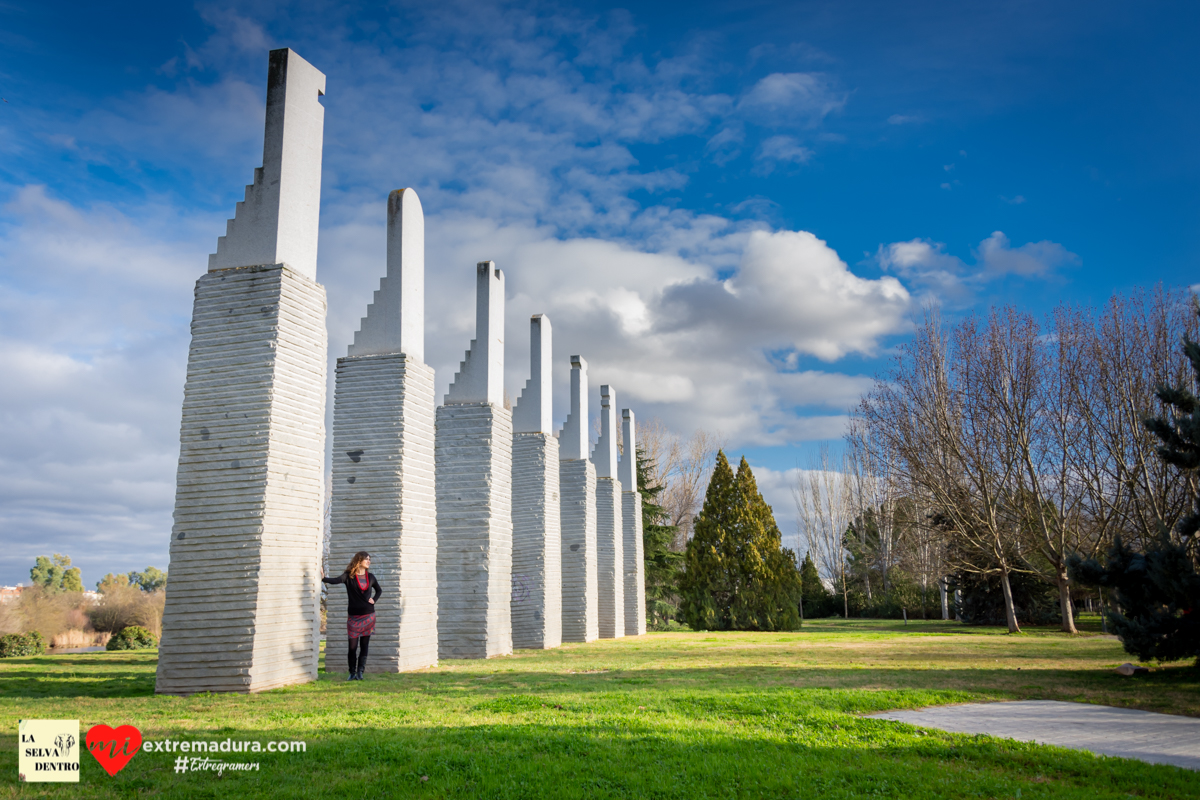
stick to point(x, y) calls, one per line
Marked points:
point(537, 539)
point(383, 470)
point(277, 222)
point(473, 456)
point(634, 548)
point(577, 488)
point(242, 608)
point(610, 558)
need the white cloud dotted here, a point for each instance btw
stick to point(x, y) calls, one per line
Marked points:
point(785, 149)
point(93, 337)
point(946, 278)
point(791, 291)
point(792, 97)
point(1032, 260)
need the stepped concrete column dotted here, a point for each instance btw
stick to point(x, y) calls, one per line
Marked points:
point(242, 606)
point(537, 536)
point(383, 498)
point(577, 488)
point(631, 529)
point(473, 459)
point(610, 558)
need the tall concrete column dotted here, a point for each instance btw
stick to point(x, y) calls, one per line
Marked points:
point(577, 488)
point(537, 536)
point(610, 558)
point(383, 498)
point(473, 457)
point(242, 607)
point(631, 529)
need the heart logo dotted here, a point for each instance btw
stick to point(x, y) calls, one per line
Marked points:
point(113, 747)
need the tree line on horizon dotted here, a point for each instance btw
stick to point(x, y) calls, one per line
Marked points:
point(1025, 459)
point(55, 607)
point(1009, 467)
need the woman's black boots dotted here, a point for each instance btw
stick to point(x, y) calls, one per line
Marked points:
point(354, 675)
point(362, 663)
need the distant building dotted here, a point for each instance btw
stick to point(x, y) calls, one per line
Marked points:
point(92, 597)
point(10, 593)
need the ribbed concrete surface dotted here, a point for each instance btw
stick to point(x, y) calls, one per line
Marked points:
point(383, 502)
point(242, 606)
point(577, 487)
point(473, 457)
point(610, 559)
point(537, 543)
point(1125, 732)
point(635, 565)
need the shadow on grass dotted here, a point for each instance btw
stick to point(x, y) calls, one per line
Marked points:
point(836, 625)
point(1174, 690)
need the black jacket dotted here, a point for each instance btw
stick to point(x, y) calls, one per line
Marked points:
point(358, 604)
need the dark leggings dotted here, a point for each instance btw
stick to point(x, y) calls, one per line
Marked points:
point(365, 642)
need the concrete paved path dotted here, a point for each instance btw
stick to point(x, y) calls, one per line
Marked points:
point(1156, 738)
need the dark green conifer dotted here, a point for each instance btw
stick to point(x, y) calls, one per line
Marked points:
point(706, 587)
point(662, 563)
point(737, 575)
point(818, 601)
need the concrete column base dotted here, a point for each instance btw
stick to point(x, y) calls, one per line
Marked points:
point(537, 543)
point(473, 455)
point(242, 610)
point(383, 501)
point(635, 564)
point(580, 613)
point(610, 559)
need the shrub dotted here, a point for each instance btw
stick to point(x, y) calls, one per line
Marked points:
point(123, 606)
point(22, 644)
point(1156, 594)
point(134, 637)
point(51, 612)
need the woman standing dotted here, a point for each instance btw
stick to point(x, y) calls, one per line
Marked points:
point(360, 610)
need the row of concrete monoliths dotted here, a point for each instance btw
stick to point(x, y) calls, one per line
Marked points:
point(486, 529)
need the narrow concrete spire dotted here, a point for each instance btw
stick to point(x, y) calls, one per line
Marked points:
point(532, 413)
point(277, 221)
point(395, 320)
point(573, 442)
point(480, 376)
point(605, 454)
point(629, 445)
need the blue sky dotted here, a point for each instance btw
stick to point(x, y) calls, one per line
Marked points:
point(732, 210)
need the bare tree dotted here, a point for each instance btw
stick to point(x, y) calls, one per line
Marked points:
point(682, 468)
point(825, 509)
point(1133, 350)
point(936, 418)
point(875, 491)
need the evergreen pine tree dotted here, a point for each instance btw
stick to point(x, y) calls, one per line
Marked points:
point(818, 601)
point(706, 587)
point(1157, 593)
point(769, 596)
point(737, 574)
point(662, 563)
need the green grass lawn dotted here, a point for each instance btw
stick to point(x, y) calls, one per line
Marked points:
point(676, 715)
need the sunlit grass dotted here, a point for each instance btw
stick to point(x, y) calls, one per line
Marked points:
point(685, 715)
